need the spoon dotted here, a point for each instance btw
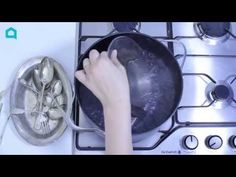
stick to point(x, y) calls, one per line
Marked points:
point(55, 114)
point(24, 83)
point(55, 93)
point(56, 88)
point(36, 79)
point(46, 73)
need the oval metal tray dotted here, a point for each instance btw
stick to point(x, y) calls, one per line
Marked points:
point(23, 98)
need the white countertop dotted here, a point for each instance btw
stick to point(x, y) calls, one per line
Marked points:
point(57, 40)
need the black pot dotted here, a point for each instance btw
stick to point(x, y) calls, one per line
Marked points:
point(159, 97)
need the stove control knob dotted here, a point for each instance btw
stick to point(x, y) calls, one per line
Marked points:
point(190, 142)
point(214, 142)
point(232, 141)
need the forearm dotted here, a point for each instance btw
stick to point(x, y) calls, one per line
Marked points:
point(118, 129)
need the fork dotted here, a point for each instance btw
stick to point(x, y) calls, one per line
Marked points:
point(44, 124)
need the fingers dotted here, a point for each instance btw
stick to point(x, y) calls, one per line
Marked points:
point(93, 55)
point(81, 76)
point(114, 58)
point(114, 54)
point(104, 55)
point(86, 63)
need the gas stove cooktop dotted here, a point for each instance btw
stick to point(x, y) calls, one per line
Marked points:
point(205, 121)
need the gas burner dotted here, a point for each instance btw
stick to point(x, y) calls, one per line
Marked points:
point(127, 26)
point(220, 94)
point(213, 32)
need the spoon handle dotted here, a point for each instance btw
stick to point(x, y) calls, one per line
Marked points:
point(41, 98)
point(37, 123)
point(24, 83)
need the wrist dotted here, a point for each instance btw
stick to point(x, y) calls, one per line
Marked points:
point(117, 108)
point(118, 128)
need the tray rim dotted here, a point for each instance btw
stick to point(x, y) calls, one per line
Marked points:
point(21, 131)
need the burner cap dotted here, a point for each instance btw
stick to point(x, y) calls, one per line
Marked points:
point(221, 92)
point(125, 26)
point(214, 29)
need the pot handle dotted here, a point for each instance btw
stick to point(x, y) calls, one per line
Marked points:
point(70, 123)
point(182, 44)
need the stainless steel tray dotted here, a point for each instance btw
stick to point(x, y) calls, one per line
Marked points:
point(23, 98)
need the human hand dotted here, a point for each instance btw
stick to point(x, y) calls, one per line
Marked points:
point(108, 81)
point(106, 78)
